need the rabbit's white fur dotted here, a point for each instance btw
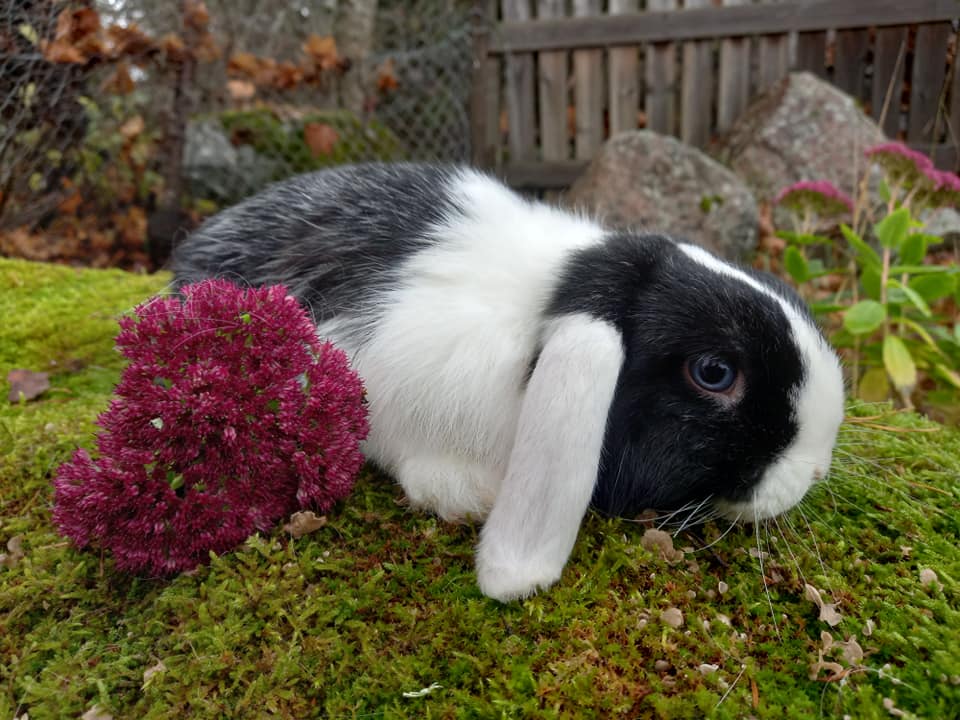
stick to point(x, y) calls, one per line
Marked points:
point(490, 397)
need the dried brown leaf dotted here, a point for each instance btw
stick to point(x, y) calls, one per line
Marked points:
point(320, 138)
point(672, 617)
point(322, 51)
point(304, 522)
point(132, 127)
point(387, 77)
point(241, 89)
point(121, 82)
point(14, 552)
point(658, 540)
point(26, 384)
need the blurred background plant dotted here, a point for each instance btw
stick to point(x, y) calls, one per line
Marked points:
point(890, 299)
point(126, 119)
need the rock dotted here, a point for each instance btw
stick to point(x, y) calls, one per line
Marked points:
point(943, 222)
point(644, 180)
point(218, 171)
point(801, 129)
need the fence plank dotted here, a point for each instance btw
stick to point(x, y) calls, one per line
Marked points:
point(519, 90)
point(953, 137)
point(552, 76)
point(484, 90)
point(588, 89)
point(661, 77)
point(889, 60)
point(715, 22)
point(927, 82)
point(624, 78)
point(733, 92)
point(696, 94)
point(849, 61)
point(812, 52)
point(774, 55)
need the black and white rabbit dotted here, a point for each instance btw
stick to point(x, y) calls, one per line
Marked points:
point(522, 362)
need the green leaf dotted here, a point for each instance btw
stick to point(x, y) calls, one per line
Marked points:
point(934, 287)
point(913, 249)
point(893, 229)
point(922, 269)
point(796, 264)
point(866, 255)
point(871, 279)
point(874, 386)
point(864, 317)
point(899, 363)
point(912, 296)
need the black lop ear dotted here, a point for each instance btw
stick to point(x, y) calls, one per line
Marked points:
point(553, 466)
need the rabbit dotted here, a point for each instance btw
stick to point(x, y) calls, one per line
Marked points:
point(523, 363)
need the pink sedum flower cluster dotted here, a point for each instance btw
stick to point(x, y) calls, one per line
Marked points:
point(230, 415)
point(913, 170)
point(819, 196)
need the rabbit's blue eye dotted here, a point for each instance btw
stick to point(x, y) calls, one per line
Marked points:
point(712, 373)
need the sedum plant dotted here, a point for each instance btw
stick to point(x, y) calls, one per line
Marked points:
point(230, 415)
point(896, 308)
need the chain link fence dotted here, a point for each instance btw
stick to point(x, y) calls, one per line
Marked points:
point(123, 122)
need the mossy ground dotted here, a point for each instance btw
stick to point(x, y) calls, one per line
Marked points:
point(382, 601)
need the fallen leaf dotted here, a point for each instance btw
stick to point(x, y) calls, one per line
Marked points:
point(661, 541)
point(828, 611)
point(387, 77)
point(132, 127)
point(151, 671)
point(27, 385)
point(322, 50)
point(121, 82)
point(196, 15)
point(928, 578)
point(672, 617)
point(241, 89)
point(14, 552)
point(70, 205)
point(128, 41)
point(835, 668)
point(852, 652)
point(320, 138)
point(95, 713)
point(304, 522)
point(708, 668)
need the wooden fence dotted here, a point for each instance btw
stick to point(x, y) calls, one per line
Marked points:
point(554, 78)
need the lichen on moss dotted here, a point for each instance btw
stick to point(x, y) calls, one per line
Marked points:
point(382, 601)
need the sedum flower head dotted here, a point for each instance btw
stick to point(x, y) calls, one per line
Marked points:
point(230, 414)
point(817, 196)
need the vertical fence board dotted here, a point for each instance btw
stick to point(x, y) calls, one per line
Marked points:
point(733, 92)
point(661, 77)
point(774, 56)
point(927, 81)
point(552, 76)
point(587, 90)
point(696, 88)
point(624, 78)
point(484, 90)
point(849, 61)
point(519, 89)
point(889, 58)
point(812, 53)
point(953, 136)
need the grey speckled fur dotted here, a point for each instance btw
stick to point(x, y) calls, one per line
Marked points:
point(335, 238)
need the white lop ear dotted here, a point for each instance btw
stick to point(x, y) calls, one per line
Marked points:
point(553, 466)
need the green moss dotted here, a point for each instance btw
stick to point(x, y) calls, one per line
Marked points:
point(284, 138)
point(382, 601)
